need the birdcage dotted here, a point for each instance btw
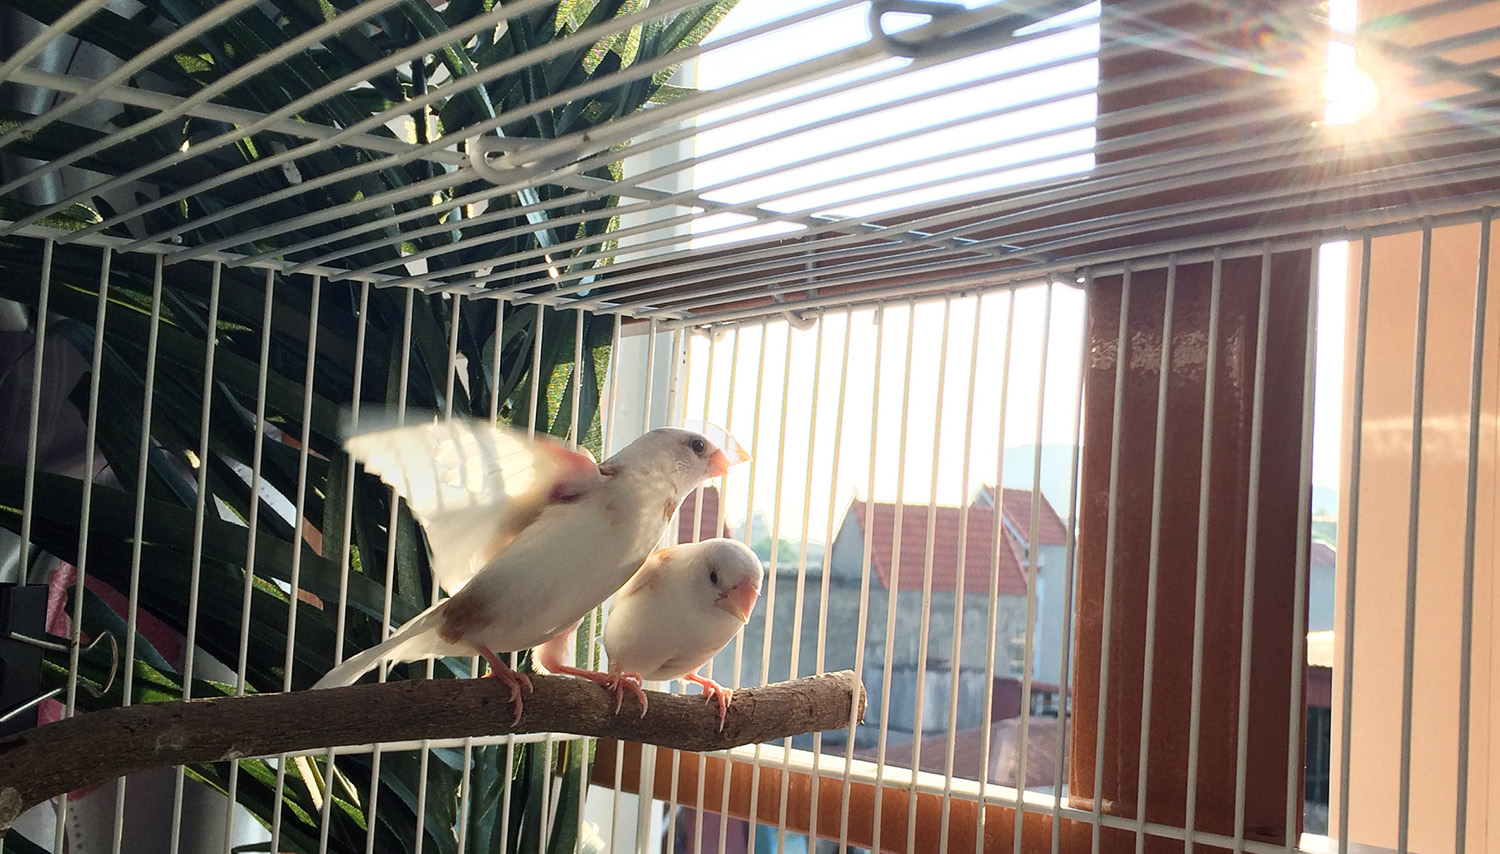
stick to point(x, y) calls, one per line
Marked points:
point(1119, 378)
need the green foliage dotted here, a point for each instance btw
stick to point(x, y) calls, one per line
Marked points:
point(786, 550)
point(399, 339)
point(1326, 531)
point(232, 203)
point(166, 579)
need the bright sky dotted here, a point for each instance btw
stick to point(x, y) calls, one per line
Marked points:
point(802, 376)
point(800, 389)
point(794, 173)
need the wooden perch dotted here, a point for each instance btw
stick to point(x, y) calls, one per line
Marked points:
point(61, 757)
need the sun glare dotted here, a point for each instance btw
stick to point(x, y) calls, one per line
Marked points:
point(1349, 92)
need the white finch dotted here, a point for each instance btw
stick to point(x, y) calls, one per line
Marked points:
point(527, 535)
point(683, 606)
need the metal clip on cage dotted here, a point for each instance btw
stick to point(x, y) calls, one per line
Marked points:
point(23, 614)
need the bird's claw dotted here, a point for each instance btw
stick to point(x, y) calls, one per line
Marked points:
point(616, 682)
point(513, 679)
point(622, 682)
point(714, 691)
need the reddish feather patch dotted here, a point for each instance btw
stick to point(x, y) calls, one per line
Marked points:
point(577, 475)
point(461, 616)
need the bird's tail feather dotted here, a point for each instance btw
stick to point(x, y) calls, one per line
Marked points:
point(405, 644)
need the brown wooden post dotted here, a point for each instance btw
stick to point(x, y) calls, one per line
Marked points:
point(1273, 649)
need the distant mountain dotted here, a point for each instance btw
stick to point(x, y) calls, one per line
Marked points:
point(1057, 478)
point(1325, 515)
point(1325, 501)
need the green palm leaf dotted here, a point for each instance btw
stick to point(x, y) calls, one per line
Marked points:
point(404, 335)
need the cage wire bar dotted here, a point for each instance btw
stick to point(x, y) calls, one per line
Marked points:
point(1142, 827)
point(949, 748)
point(346, 537)
point(1111, 529)
point(199, 512)
point(1012, 228)
point(252, 527)
point(133, 596)
point(1134, 172)
point(992, 606)
point(923, 632)
point(776, 513)
point(1298, 660)
point(1153, 571)
point(1408, 662)
point(1031, 592)
point(1466, 652)
point(824, 581)
point(1070, 554)
point(1351, 568)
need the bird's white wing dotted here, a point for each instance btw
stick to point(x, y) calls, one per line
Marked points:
point(472, 486)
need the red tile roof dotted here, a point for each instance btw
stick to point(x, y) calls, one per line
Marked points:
point(710, 514)
point(912, 561)
point(1017, 504)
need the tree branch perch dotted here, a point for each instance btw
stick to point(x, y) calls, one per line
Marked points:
point(61, 757)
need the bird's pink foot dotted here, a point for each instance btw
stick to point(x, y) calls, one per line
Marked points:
point(622, 682)
point(514, 679)
point(713, 691)
point(617, 682)
point(596, 676)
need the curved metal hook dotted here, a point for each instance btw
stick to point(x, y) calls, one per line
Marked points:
point(986, 32)
point(511, 165)
point(114, 663)
point(114, 669)
point(909, 48)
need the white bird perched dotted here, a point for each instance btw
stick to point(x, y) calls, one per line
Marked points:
point(527, 535)
point(679, 609)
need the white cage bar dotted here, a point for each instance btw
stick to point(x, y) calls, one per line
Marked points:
point(1115, 374)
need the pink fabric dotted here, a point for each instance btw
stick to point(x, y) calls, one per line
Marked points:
point(161, 636)
point(57, 598)
point(59, 624)
point(166, 640)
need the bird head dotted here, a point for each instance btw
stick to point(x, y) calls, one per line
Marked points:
point(688, 456)
point(730, 451)
point(729, 573)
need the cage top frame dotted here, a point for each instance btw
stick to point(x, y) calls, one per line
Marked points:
point(1209, 133)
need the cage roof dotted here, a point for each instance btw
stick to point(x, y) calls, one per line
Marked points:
point(545, 152)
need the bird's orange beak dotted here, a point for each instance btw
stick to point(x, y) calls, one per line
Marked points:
point(738, 601)
point(718, 463)
point(730, 453)
point(727, 451)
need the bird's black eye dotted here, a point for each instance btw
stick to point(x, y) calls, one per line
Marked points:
point(698, 445)
point(713, 576)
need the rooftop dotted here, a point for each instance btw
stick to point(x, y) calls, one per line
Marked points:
point(707, 515)
point(954, 530)
point(1017, 507)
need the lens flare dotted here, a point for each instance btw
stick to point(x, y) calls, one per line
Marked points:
point(1350, 94)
